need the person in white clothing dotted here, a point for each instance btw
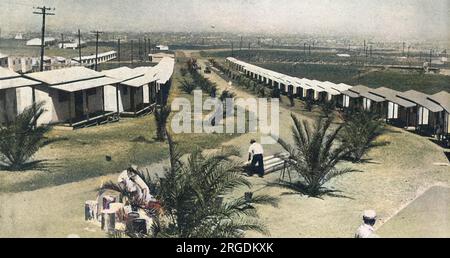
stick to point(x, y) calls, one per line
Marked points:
point(256, 156)
point(135, 185)
point(366, 230)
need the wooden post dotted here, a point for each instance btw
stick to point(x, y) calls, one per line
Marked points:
point(70, 108)
point(117, 100)
point(103, 98)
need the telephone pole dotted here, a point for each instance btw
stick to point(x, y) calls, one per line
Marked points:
point(97, 33)
point(44, 12)
point(232, 49)
point(79, 45)
point(150, 45)
point(131, 52)
point(145, 48)
point(240, 45)
point(118, 51)
point(62, 40)
point(139, 49)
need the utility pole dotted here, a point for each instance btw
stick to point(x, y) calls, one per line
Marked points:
point(118, 51)
point(240, 45)
point(365, 52)
point(145, 48)
point(62, 40)
point(403, 51)
point(44, 12)
point(79, 45)
point(97, 33)
point(131, 54)
point(304, 48)
point(232, 49)
point(139, 49)
point(431, 56)
point(150, 45)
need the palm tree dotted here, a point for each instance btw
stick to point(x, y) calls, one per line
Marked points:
point(291, 99)
point(20, 138)
point(187, 87)
point(360, 131)
point(309, 104)
point(191, 196)
point(314, 155)
point(161, 116)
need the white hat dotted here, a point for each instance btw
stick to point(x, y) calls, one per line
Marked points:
point(369, 214)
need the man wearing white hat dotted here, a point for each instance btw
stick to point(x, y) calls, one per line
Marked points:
point(135, 185)
point(366, 230)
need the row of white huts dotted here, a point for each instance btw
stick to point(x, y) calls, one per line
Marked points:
point(410, 109)
point(79, 96)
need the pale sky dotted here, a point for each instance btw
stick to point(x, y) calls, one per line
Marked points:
point(387, 18)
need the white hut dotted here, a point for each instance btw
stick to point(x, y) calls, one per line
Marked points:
point(73, 96)
point(15, 94)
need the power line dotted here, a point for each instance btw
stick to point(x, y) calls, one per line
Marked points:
point(44, 12)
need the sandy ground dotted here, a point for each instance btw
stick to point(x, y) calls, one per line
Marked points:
point(428, 216)
point(396, 175)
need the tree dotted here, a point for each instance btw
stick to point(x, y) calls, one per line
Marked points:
point(161, 116)
point(187, 87)
point(191, 196)
point(328, 107)
point(360, 131)
point(275, 93)
point(291, 99)
point(226, 94)
point(314, 155)
point(309, 104)
point(21, 138)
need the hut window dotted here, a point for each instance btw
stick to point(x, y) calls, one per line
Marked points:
point(91, 92)
point(125, 90)
point(63, 96)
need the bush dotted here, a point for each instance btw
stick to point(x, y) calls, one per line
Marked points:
point(314, 155)
point(20, 139)
point(360, 131)
point(187, 87)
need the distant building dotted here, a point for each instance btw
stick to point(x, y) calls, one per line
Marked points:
point(3, 60)
point(90, 60)
point(72, 45)
point(48, 41)
point(18, 36)
point(162, 48)
point(156, 58)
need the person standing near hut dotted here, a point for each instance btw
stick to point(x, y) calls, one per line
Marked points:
point(256, 156)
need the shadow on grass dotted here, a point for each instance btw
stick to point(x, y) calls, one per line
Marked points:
point(142, 139)
point(49, 141)
point(40, 165)
point(440, 143)
point(300, 188)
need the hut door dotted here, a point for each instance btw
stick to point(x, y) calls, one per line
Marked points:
point(79, 110)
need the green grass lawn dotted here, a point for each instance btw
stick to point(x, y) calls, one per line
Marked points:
point(81, 154)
